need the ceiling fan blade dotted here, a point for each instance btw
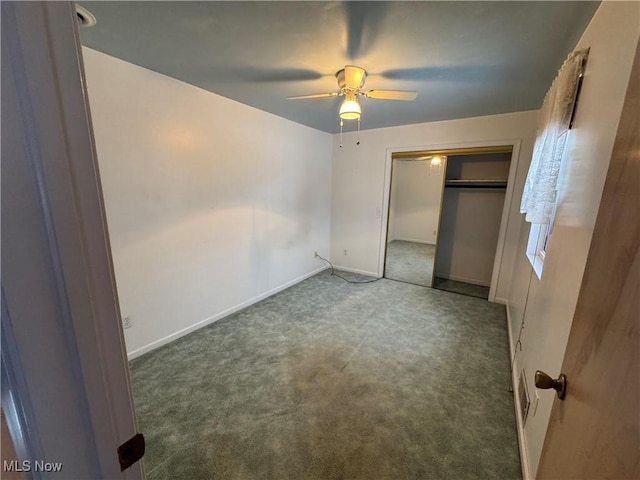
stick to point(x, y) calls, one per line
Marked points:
point(450, 73)
point(392, 94)
point(354, 77)
point(314, 95)
point(363, 25)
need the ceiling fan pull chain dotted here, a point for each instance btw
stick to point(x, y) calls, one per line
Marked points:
point(358, 142)
point(341, 124)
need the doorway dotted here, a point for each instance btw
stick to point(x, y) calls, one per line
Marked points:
point(473, 202)
point(447, 210)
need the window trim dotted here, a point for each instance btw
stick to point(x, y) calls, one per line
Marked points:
point(538, 236)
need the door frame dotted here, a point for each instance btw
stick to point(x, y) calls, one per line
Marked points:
point(70, 392)
point(504, 223)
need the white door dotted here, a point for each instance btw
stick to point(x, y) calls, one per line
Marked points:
point(65, 381)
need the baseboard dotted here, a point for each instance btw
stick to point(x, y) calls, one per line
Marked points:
point(522, 444)
point(463, 279)
point(207, 321)
point(499, 300)
point(354, 270)
point(412, 240)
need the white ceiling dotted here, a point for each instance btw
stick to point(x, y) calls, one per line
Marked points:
point(464, 59)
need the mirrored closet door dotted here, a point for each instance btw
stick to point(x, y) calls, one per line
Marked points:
point(414, 213)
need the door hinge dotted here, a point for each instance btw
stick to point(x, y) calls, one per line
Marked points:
point(131, 451)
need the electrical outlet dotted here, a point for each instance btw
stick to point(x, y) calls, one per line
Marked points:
point(315, 254)
point(344, 252)
point(126, 322)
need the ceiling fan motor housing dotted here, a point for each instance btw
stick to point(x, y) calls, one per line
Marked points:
point(353, 81)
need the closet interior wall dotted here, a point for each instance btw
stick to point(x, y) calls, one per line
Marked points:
point(471, 216)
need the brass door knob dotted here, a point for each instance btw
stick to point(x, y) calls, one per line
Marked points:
point(544, 381)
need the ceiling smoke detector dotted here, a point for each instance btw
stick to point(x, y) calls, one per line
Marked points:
point(85, 17)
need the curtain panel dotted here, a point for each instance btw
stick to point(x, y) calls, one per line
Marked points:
point(539, 194)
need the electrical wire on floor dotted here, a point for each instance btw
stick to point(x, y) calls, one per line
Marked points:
point(334, 274)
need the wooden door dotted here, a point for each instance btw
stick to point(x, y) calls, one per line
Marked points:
point(595, 431)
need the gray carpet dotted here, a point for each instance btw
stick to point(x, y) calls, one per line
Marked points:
point(410, 262)
point(463, 288)
point(332, 380)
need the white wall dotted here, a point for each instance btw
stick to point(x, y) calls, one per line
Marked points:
point(211, 204)
point(358, 181)
point(416, 192)
point(612, 36)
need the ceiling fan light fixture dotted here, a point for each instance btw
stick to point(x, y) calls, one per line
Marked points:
point(350, 108)
point(436, 161)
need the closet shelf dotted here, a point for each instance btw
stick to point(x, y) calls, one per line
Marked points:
point(475, 184)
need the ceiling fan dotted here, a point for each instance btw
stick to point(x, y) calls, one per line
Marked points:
point(351, 82)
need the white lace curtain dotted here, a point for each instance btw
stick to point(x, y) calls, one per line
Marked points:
point(539, 194)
